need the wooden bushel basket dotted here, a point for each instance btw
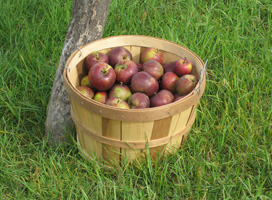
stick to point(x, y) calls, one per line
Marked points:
point(112, 134)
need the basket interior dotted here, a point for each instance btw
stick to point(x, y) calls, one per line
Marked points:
point(78, 70)
point(135, 44)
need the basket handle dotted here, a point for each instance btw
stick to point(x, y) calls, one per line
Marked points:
point(204, 70)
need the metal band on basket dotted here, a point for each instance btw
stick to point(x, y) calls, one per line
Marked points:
point(204, 70)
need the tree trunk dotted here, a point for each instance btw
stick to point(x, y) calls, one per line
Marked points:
point(87, 24)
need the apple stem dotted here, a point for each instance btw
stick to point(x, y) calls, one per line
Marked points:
point(184, 60)
point(105, 71)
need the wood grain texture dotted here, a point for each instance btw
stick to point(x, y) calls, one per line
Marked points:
point(137, 132)
point(178, 123)
point(160, 130)
point(111, 129)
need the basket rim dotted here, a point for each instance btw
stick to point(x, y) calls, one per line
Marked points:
point(121, 114)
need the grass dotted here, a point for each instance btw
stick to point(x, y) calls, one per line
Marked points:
point(229, 149)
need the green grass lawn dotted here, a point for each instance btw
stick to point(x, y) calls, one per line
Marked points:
point(229, 150)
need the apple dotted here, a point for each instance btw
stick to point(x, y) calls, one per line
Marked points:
point(185, 84)
point(117, 102)
point(118, 54)
point(101, 97)
point(140, 66)
point(144, 82)
point(169, 67)
point(151, 53)
point(86, 91)
point(85, 81)
point(102, 76)
point(162, 98)
point(178, 97)
point(121, 91)
point(154, 68)
point(94, 58)
point(124, 71)
point(168, 81)
point(138, 100)
point(183, 66)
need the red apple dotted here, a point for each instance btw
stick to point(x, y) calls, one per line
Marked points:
point(86, 91)
point(124, 71)
point(117, 102)
point(94, 58)
point(119, 54)
point(183, 66)
point(162, 98)
point(168, 81)
point(102, 76)
point(101, 97)
point(178, 97)
point(169, 67)
point(154, 68)
point(186, 84)
point(140, 67)
point(144, 82)
point(151, 53)
point(138, 100)
point(121, 91)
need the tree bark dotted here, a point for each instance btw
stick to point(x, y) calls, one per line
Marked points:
point(87, 24)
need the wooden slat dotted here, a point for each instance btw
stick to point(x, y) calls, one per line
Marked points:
point(132, 131)
point(169, 57)
point(160, 129)
point(76, 109)
point(176, 125)
point(94, 123)
point(135, 51)
point(111, 129)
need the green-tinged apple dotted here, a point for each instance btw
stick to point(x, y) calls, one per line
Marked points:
point(151, 53)
point(138, 100)
point(117, 102)
point(101, 97)
point(120, 90)
point(85, 82)
point(186, 84)
point(183, 66)
point(86, 91)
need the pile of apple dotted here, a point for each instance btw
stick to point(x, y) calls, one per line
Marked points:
point(114, 79)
